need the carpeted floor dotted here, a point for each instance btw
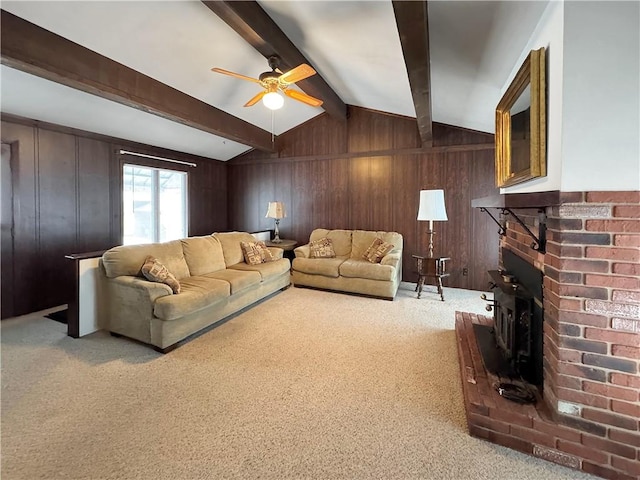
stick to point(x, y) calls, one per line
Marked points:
point(307, 384)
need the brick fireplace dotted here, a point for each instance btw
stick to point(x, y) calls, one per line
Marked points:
point(588, 412)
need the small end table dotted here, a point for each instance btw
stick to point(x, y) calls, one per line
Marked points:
point(431, 267)
point(286, 245)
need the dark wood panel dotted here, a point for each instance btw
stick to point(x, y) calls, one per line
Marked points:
point(266, 193)
point(302, 201)
point(218, 207)
point(337, 208)
point(25, 261)
point(6, 240)
point(207, 198)
point(380, 212)
point(329, 137)
point(282, 193)
point(456, 232)
point(360, 193)
point(404, 199)
point(57, 212)
point(330, 194)
point(94, 194)
point(237, 190)
point(449, 135)
point(486, 241)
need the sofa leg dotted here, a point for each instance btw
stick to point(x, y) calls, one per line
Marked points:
point(168, 349)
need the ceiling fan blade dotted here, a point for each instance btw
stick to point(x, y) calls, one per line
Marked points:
point(255, 99)
point(233, 74)
point(303, 97)
point(296, 74)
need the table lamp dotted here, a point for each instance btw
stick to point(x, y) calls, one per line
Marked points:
point(276, 210)
point(432, 209)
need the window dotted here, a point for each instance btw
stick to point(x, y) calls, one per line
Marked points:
point(154, 204)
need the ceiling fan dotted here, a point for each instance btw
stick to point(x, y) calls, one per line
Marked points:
point(275, 81)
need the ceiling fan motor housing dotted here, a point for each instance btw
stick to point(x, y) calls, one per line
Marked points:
point(266, 76)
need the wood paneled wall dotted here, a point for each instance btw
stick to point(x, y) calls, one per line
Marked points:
point(333, 188)
point(67, 199)
point(66, 195)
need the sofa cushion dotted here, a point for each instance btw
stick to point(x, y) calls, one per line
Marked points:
point(266, 270)
point(197, 293)
point(255, 253)
point(341, 239)
point(231, 246)
point(377, 250)
point(321, 248)
point(238, 279)
point(154, 271)
point(128, 259)
point(329, 267)
point(203, 254)
point(354, 268)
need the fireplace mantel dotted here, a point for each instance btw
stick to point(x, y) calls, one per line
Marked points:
point(509, 202)
point(520, 200)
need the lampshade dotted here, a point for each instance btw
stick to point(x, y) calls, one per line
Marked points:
point(276, 210)
point(432, 205)
point(273, 100)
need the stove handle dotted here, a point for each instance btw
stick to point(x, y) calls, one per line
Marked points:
point(491, 305)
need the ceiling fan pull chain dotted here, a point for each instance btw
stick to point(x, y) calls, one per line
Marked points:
point(273, 116)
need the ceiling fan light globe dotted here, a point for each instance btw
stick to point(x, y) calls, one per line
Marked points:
point(273, 101)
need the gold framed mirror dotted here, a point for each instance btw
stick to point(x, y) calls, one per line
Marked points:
point(521, 124)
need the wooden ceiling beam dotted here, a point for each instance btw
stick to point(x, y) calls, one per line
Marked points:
point(257, 28)
point(413, 27)
point(32, 49)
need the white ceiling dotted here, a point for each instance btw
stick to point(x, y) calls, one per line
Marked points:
point(354, 45)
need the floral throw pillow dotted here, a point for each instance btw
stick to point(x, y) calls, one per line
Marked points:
point(377, 250)
point(321, 248)
point(154, 271)
point(256, 253)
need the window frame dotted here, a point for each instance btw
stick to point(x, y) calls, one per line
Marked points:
point(156, 165)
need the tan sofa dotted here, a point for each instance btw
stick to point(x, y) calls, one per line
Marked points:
point(349, 271)
point(214, 278)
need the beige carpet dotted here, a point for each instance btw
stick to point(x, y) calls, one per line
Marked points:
point(307, 384)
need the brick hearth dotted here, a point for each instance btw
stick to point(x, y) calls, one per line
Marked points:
point(530, 429)
point(588, 414)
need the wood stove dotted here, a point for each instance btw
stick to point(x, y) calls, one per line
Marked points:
point(513, 346)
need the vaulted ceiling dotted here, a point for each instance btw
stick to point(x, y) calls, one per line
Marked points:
point(142, 70)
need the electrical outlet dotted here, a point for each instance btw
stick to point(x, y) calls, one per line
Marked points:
point(465, 271)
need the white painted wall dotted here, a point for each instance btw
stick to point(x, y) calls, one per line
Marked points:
point(593, 96)
point(91, 297)
point(548, 34)
point(601, 97)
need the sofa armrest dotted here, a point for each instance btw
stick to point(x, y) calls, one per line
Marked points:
point(276, 252)
point(149, 290)
point(392, 259)
point(130, 305)
point(302, 251)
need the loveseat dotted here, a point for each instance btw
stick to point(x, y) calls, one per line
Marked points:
point(347, 270)
point(213, 280)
